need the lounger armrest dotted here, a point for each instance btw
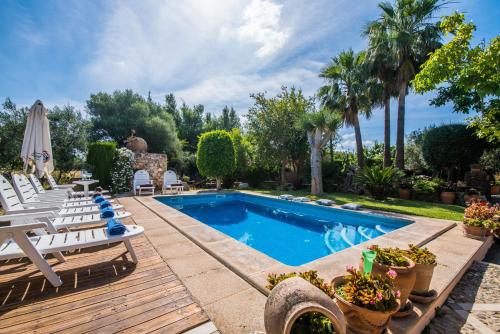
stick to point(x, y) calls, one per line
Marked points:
point(23, 227)
point(34, 210)
point(23, 215)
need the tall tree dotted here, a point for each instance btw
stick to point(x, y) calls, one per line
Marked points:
point(320, 127)
point(471, 75)
point(12, 124)
point(191, 126)
point(349, 92)
point(382, 65)
point(411, 33)
point(270, 126)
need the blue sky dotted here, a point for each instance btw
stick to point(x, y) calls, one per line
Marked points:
point(209, 52)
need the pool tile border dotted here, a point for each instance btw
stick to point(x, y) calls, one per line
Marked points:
point(253, 265)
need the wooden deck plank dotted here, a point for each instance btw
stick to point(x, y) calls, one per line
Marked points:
point(102, 291)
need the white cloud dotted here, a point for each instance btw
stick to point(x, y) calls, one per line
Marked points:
point(348, 142)
point(214, 52)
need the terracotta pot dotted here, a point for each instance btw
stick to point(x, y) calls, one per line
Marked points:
point(476, 231)
point(361, 320)
point(404, 193)
point(469, 198)
point(448, 197)
point(423, 279)
point(495, 190)
point(405, 279)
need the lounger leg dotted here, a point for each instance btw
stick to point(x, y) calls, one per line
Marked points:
point(58, 255)
point(37, 258)
point(131, 250)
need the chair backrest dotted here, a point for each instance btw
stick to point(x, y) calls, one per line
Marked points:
point(24, 189)
point(169, 177)
point(36, 184)
point(141, 177)
point(8, 196)
point(52, 182)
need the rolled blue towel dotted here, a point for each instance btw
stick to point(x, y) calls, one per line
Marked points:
point(104, 204)
point(115, 227)
point(99, 199)
point(107, 212)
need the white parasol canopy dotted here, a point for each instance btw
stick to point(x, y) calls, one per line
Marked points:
point(37, 149)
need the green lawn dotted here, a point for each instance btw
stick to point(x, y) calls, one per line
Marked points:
point(418, 208)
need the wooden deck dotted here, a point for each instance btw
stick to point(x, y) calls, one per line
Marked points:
point(102, 292)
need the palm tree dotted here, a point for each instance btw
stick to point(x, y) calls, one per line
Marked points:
point(382, 65)
point(349, 91)
point(320, 127)
point(410, 32)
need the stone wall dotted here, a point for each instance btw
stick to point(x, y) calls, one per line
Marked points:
point(155, 164)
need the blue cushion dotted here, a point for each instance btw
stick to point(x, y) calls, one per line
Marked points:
point(99, 199)
point(107, 212)
point(115, 227)
point(104, 204)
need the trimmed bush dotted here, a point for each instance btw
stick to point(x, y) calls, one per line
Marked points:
point(216, 156)
point(101, 156)
point(450, 146)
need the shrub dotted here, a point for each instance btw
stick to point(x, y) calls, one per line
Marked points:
point(373, 293)
point(482, 214)
point(420, 255)
point(216, 156)
point(450, 146)
point(378, 180)
point(101, 156)
point(423, 186)
point(312, 322)
point(122, 171)
point(390, 256)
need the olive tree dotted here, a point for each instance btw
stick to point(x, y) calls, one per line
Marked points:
point(216, 156)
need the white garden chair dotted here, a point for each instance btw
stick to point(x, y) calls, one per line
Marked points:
point(12, 204)
point(171, 183)
point(14, 243)
point(142, 183)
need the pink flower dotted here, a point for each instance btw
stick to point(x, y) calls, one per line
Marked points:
point(372, 302)
point(398, 294)
point(392, 274)
point(379, 296)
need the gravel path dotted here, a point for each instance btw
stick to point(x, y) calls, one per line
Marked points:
point(474, 305)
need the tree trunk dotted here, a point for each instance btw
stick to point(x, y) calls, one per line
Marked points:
point(359, 142)
point(316, 177)
point(400, 137)
point(283, 176)
point(331, 148)
point(218, 182)
point(387, 130)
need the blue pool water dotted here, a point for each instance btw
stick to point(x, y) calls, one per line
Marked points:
point(293, 233)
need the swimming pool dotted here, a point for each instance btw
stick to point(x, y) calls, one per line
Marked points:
point(292, 233)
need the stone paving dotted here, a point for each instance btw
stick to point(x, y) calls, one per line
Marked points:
point(474, 304)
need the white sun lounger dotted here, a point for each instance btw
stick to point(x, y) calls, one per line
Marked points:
point(14, 243)
point(142, 183)
point(12, 204)
point(62, 193)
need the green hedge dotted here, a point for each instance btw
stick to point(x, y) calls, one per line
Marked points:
point(100, 156)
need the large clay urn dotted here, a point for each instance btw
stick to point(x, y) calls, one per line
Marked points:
point(294, 297)
point(361, 320)
point(404, 281)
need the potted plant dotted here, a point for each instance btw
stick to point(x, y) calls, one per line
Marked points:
point(378, 180)
point(425, 188)
point(480, 218)
point(448, 193)
point(396, 260)
point(495, 185)
point(367, 301)
point(471, 195)
point(405, 188)
point(425, 262)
